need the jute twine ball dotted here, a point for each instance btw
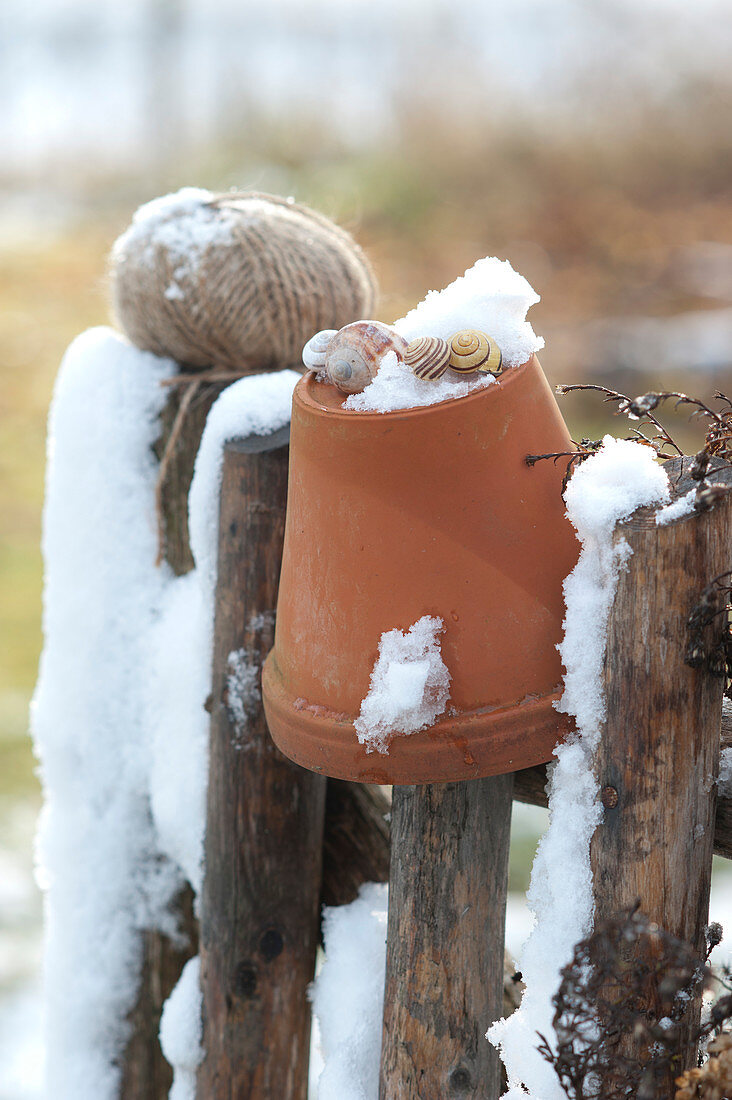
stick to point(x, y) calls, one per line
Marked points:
point(238, 281)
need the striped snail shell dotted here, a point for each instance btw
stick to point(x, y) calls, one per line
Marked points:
point(471, 350)
point(355, 353)
point(428, 357)
point(313, 354)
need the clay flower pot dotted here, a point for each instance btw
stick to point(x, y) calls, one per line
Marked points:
point(424, 511)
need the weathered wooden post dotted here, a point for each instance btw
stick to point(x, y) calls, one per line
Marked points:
point(264, 828)
point(659, 755)
point(445, 948)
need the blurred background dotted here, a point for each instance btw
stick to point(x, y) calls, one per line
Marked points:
point(588, 142)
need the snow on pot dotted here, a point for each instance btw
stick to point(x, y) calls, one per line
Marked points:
point(420, 600)
point(236, 281)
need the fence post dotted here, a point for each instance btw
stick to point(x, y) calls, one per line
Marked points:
point(264, 828)
point(445, 947)
point(658, 759)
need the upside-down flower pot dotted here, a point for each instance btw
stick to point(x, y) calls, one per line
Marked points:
point(424, 511)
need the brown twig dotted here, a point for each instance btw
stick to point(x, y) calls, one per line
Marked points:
point(639, 408)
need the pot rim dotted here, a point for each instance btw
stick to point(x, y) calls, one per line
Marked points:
point(304, 393)
point(463, 745)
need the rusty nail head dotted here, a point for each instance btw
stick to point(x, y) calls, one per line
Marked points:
point(609, 797)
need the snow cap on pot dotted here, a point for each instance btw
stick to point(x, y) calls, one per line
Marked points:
point(421, 590)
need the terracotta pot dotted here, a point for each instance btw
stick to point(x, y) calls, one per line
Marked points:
point(427, 511)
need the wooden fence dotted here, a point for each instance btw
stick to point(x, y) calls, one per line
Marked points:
point(281, 841)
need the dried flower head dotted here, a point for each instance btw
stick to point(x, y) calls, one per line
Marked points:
point(619, 1011)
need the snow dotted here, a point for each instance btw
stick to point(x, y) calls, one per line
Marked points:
point(175, 692)
point(118, 717)
point(348, 996)
point(257, 405)
point(409, 685)
point(98, 860)
point(395, 387)
point(490, 297)
point(605, 489)
point(181, 1031)
point(684, 506)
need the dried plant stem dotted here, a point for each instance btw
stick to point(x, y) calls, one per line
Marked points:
point(170, 446)
point(626, 405)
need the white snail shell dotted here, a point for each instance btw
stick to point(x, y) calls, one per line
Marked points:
point(313, 354)
point(471, 350)
point(428, 357)
point(354, 355)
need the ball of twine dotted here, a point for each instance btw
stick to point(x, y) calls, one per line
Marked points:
point(237, 282)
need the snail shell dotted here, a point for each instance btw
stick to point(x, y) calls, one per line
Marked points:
point(428, 357)
point(471, 350)
point(313, 354)
point(494, 362)
point(354, 354)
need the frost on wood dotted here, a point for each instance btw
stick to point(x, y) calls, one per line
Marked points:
point(605, 489)
point(181, 1031)
point(348, 996)
point(182, 641)
point(409, 685)
point(182, 648)
point(118, 717)
point(243, 695)
point(490, 297)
